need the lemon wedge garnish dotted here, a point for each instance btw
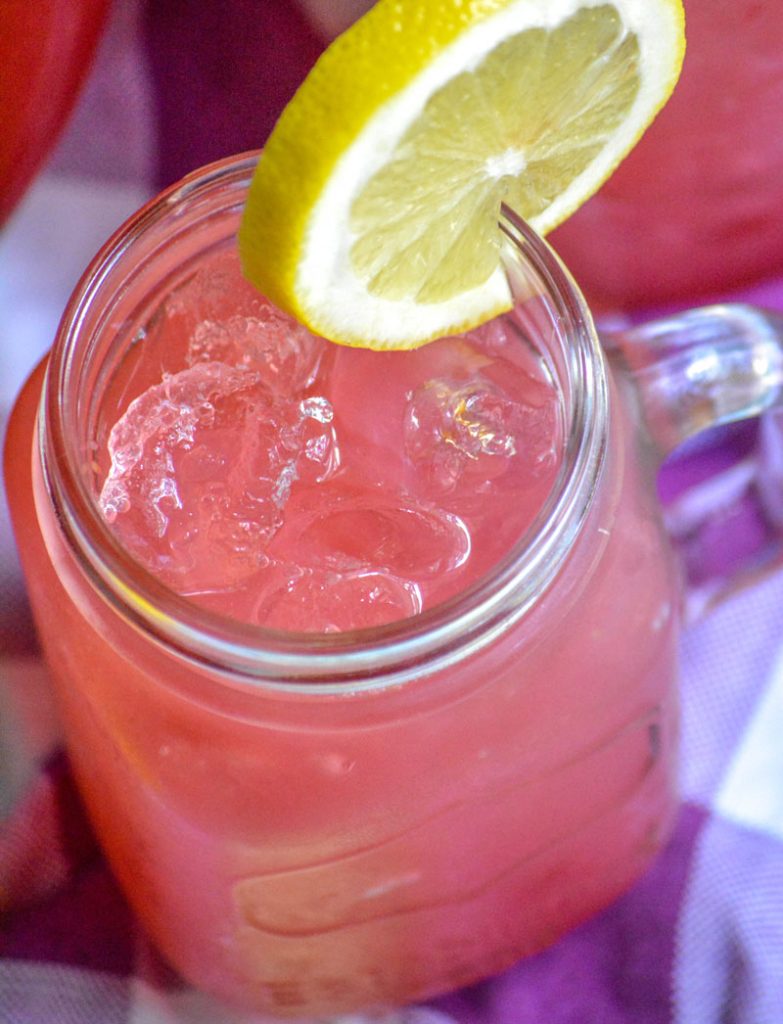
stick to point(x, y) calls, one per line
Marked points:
point(373, 213)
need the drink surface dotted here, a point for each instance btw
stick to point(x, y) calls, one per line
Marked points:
point(282, 480)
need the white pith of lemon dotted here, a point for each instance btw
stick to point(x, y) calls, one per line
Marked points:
point(372, 216)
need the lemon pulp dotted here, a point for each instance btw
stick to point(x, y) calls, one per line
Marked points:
point(373, 213)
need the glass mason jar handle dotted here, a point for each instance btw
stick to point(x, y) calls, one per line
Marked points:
point(708, 368)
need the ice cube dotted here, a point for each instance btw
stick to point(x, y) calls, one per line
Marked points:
point(465, 435)
point(369, 533)
point(269, 341)
point(202, 466)
point(216, 291)
point(314, 600)
point(157, 423)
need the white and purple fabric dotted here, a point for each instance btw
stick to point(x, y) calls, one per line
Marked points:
point(698, 941)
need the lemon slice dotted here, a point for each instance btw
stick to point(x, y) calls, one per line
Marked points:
point(373, 213)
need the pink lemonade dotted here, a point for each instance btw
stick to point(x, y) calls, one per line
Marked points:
point(366, 661)
point(282, 480)
point(696, 208)
point(45, 52)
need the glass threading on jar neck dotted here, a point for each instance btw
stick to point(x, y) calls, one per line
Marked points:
point(180, 223)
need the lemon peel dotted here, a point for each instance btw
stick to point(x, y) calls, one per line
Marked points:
point(372, 215)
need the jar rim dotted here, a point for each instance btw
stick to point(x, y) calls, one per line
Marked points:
point(350, 662)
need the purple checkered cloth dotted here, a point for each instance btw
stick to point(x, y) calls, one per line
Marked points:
point(699, 940)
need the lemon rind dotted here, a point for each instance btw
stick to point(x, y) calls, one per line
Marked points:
point(309, 236)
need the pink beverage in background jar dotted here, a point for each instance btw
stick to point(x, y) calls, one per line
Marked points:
point(45, 52)
point(366, 661)
point(697, 207)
